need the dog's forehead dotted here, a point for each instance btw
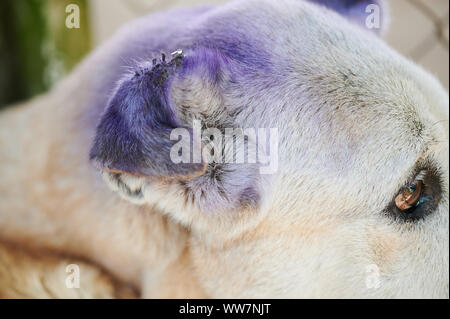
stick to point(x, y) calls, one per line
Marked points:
point(331, 70)
point(324, 76)
point(354, 108)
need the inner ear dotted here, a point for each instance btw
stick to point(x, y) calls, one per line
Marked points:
point(197, 90)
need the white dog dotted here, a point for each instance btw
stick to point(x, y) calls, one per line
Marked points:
point(356, 207)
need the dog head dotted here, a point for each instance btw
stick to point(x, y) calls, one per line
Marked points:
point(306, 156)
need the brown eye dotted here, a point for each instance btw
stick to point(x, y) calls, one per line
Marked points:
point(410, 197)
point(420, 197)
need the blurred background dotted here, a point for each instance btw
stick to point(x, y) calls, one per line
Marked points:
point(37, 49)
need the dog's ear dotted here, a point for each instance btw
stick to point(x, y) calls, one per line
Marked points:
point(369, 14)
point(133, 135)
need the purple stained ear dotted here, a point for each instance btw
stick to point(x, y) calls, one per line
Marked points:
point(370, 14)
point(133, 135)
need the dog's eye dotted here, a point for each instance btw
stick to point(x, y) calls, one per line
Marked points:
point(412, 196)
point(418, 197)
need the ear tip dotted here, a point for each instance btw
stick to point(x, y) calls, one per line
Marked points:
point(181, 171)
point(101, 165)
point(199, 170)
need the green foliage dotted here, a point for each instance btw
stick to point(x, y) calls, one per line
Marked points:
point(36, 47)
point(70, 45)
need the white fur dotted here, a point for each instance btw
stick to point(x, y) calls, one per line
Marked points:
point(346, 148)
